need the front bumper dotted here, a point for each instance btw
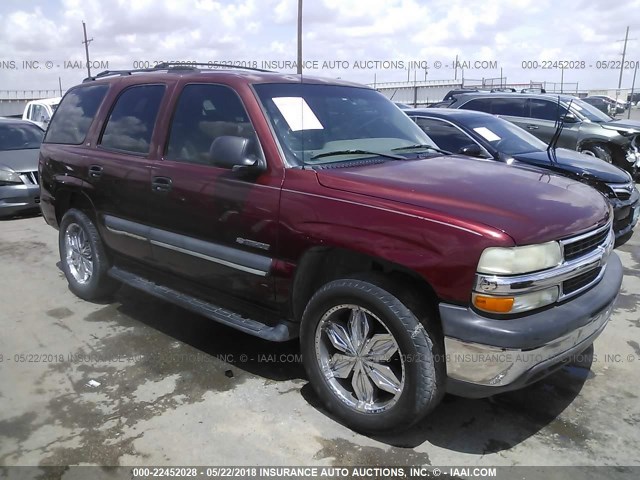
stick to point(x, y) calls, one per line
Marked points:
point(488, 356)
point(625, 213)
point(15, 199)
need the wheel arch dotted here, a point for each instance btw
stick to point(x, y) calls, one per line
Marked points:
point(67, 198)
point(320, 265)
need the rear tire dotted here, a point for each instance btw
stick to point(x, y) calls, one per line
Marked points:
point(83, 257)
point(371, 361)
point(598, 151)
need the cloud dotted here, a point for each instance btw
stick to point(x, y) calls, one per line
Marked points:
point(510, 32)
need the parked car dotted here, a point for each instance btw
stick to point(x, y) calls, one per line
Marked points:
point(294, 207)
point(601, 104)
point(41, 111)
point(487, 136)
point(617, 106)
point(586, 129)
point(19, 144)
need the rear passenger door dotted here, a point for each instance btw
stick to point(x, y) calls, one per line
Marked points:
point(119, 170)
point(208, 224)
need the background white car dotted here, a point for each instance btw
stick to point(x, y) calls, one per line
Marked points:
point(41, 111)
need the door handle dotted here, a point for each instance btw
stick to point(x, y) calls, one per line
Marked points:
point(95, 171)
point(161, 184)
point(532, 127)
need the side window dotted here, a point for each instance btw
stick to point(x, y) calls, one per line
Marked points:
point(130, 123)
point(479, 104)
point(512, 107)
point(204, 113)
point(37, 115)
point(75, 114)
point(445, 135)
point(30, 112)
point(546, 110)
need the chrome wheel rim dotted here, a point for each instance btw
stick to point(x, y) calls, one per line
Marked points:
point(359, 358)
point(78, 253)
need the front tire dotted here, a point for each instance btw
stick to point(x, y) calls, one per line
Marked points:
point(83, 257)
point(598, 151)
point(371, 361)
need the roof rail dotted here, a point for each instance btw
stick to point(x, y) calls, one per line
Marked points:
point(173, 66)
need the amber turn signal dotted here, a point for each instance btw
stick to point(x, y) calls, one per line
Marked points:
point(493, 304)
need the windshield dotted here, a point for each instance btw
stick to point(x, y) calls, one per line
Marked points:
point(589, 111)
point(330, 123)
point(20, 136)
point(503, 136)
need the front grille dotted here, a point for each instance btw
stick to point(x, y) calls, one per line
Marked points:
point(623, 195)
point(589, 243)
point(30, 178)
point(582, 280)
point(622, 191)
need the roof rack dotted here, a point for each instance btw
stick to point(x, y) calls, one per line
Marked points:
point(173, 66)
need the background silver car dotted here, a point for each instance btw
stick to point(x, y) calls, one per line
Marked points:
point(19, 184)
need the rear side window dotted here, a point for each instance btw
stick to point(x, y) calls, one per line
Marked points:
point(75, 114)
point(546, 110)
point(512, 107)
point(479, 105)
point(131, 121)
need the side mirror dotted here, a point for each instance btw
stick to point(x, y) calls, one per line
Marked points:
point(472, 150)
point(233, 152)
point(570, 118)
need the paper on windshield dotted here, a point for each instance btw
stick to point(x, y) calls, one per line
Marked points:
point(487, 134)
point(297, 113)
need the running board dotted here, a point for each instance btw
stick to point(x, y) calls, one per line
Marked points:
point(281, 332)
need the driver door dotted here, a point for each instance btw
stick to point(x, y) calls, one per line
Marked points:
point(211, 225)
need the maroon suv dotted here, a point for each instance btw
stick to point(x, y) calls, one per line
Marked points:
point(293, 207)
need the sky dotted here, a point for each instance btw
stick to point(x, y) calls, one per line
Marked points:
point(358, 40)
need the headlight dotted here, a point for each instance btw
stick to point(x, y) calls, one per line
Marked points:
point(9, 177)
point(515, 260)
point(516, 303)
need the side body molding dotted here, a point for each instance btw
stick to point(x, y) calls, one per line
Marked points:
point(231, 257)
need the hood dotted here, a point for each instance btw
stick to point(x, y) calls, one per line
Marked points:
point(572, 162)
point(530, 206)
point(20, 160)
point(623, 124)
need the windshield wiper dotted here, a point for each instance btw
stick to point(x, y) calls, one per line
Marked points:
point(423, 146)
point(356, 152)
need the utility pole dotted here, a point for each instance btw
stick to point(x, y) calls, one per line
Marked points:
point(633, 85)
point(299, 37)
point(60, 85)
point(562, 80)
point(86, 47)
point(624, 52)
point(455, 69)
